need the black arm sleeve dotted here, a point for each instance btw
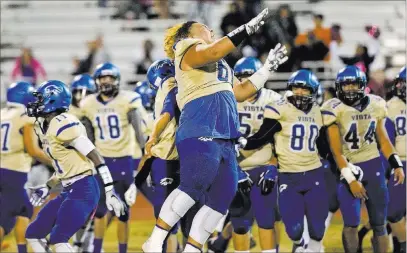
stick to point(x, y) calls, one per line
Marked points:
point(264, 135)
point(89, 128)
point(323, 144)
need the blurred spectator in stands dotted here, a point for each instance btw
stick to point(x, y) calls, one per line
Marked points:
point(233, 19)
point(308, 48)
point(251, 7)
point(282, 29)
point(101, 55)
point(162, 7)
point(321, 33)
point(83, 66)
point(143, 65)
point(133, 9)
point(335, 48)
point(361, 59)
point(372, 42)
point(200, 11)
point(27, 68)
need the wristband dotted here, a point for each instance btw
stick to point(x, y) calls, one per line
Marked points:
point(259, 78)
point(107, 179)
point(395, 162)
point(238, 35)
point(348, 175)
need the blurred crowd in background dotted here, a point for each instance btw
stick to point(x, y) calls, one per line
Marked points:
point(321, 44)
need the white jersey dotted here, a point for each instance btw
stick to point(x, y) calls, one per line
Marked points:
point(251, 119)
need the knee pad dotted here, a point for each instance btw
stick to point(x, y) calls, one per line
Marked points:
point(182, 203)
point(100, 212)
point(206, 219)
point(124, 217)
point(294, 231)
point(241, 225)
point(174, 230)
point(241, 230)
point(379, 230)
point(396, 217)
point(8, 224)
point(266, 221)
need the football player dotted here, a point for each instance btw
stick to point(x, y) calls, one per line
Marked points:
point(396, 129)
point(355, 120)
point(82, 86)
point(113, 117)
point(18, 145)
point(74, 156)
point(263, 194)
point(160, 147)
point(209, 125)
point(294, 124)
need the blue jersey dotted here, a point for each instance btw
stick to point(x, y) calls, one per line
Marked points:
point(213, 116)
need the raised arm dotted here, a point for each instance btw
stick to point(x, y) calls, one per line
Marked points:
point(202, 54)
point(249, 87)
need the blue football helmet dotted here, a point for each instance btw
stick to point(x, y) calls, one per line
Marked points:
point(81, 86)
point(320, 95)
point(350, 75)
point(147, 94)
point(20, 93)
point(51, 96)
point(107, 88)
point(160, 71)
point(247, 66)
point(399, 87)
point(303, 79)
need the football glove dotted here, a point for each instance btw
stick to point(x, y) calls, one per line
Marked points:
point(114, 203)
point(267, 180)
point(130, 195)
point(244, 182)
point(39, 194)
point(276, 57)
point(254, 24)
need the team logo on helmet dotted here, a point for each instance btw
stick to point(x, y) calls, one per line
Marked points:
point(52, 90)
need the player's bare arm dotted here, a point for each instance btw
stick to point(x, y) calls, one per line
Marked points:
point(202, 54)
point(32, 147)
point(159, 125)
point(389, 151)
point(135, 120)
point(334, 139)
point(89, 128)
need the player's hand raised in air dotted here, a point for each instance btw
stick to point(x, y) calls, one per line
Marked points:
point(244, 182)
point(276, 57)
point(114, 203)
point(399, 176)
point(267, 180)
point(254, 25)
point(39, 194)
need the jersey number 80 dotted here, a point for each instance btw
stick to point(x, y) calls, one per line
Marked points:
point(298, 134)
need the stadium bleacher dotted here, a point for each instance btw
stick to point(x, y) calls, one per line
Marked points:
point(57, 30)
